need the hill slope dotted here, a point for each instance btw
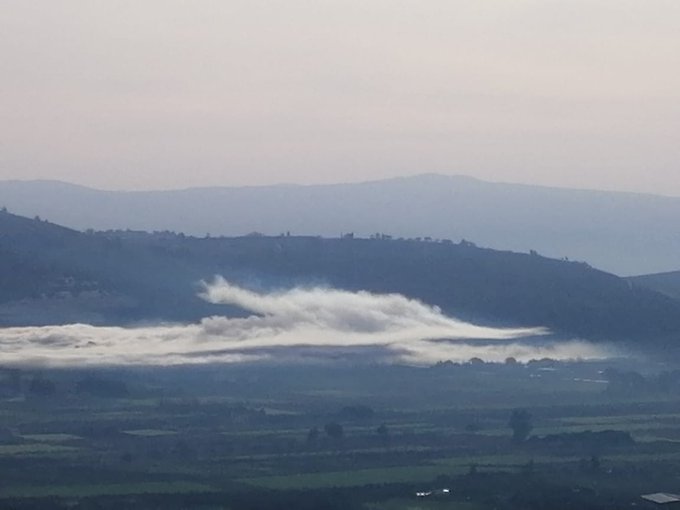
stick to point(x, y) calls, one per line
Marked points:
point(664, 283)
point(620, 232)
point(51, 275)
point(56, 275)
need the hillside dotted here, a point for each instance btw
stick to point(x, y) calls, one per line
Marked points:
point(623, 233)
point(50, 275)
point(664, 283)
point(55, 275)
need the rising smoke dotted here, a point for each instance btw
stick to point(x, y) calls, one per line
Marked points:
point(283, 324)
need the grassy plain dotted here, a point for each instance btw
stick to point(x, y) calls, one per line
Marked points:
point(222, 433)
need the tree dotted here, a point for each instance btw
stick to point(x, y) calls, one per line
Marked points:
point(595, 463)
point(334, 430)
point(383, 432)
point(312, 435)
point(521, 424)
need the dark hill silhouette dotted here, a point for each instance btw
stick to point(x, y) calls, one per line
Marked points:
point(624, 233)
point(53, 275)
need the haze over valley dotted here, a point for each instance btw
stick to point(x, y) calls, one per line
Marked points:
point(339, 255)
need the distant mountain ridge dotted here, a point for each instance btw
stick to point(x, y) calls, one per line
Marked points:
point(624, 233)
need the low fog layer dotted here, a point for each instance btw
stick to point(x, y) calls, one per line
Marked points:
point(315, 322)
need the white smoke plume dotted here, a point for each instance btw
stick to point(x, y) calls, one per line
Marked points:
point(315, 320)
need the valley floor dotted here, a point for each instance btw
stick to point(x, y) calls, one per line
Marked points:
point(310, 436)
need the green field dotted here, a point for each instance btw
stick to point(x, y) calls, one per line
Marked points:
point(422, 504)
point(51, 438)
point(353, 478)
point(218, 435)
point(71, 491)
point(36, 449)
point(150, 432)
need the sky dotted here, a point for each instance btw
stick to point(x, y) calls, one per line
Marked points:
point(163, 94)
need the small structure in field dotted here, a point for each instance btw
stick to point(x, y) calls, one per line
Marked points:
point(663, 498)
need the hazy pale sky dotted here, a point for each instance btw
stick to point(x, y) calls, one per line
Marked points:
point(146, 94)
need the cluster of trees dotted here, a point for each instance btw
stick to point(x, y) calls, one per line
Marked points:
point(333, 430)
point(40, 386)
point(336, 432)
point(630, 383)
point(521, 423)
